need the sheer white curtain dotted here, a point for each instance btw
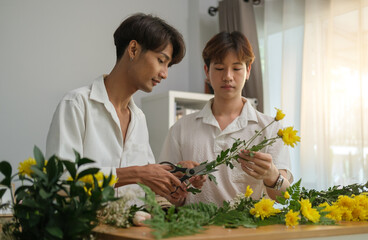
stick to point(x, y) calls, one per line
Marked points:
point(282, 38)
point(334, 108)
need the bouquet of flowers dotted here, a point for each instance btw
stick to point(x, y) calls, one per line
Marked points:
point(48, 206)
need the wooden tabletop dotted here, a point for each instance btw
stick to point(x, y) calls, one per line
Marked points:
point(274, 232)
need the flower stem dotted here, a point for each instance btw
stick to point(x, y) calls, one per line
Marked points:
point(256, 135)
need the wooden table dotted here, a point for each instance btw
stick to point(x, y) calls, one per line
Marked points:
point(345, 230)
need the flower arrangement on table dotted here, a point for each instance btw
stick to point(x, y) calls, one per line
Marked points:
point(297, 206)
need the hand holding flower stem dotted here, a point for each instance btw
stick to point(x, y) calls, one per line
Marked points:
point(288, 135)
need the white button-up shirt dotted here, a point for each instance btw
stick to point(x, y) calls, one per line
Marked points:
point(198, 137)
point(86, 120)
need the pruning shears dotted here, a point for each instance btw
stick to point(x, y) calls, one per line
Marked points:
point(188, 172)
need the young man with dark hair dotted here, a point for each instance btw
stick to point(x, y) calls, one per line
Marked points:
point(102, 122)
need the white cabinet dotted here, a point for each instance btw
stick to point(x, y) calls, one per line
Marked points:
point(161, 113)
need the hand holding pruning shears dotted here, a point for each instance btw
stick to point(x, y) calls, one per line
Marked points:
point(189, 170)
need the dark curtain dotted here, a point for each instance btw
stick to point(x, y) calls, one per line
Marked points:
point(238, 15)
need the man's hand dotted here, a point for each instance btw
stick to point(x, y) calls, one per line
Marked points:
point(161, 181)
point(196, 181)
point(260, 166)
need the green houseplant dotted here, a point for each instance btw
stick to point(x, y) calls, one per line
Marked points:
point(49, 206)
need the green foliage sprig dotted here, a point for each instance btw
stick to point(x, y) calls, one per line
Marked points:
point(332, 194)
point(46, 206)
point(232, 154)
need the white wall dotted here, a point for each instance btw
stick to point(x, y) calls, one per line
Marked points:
point(48, 47)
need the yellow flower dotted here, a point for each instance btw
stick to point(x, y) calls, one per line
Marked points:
point(286, 195)
point(289, 136)
point(346, 214)
point(359, 213)
point(264, 208)
point(25, 167)
point(248, 192)
point(88, 179)
point(292, 218)
point(113, 180)
point(335, 212)
point(345, 201)
point(279, 115)
point(362, 200)
point(310, 213)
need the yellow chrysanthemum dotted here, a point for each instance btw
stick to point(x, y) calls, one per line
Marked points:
point(289, 136)
point(248, 192)
point(345, 201)
point(264, 208)
point(286, 195)
point(310, 213)
point(292, 218)
point(334, 212)
point(279, 115)
point(346, 214)
point(362, 200)
point(25, 166)
point(359, 213)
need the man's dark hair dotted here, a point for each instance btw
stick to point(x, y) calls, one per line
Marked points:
point(152, 33)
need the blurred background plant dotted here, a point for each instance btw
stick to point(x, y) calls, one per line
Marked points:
point(47, 205)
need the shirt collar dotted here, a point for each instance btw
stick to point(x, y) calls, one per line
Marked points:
point(99, 94)
point(98, 91)
point(248, 113)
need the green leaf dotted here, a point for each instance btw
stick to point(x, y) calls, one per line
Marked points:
point(224, 153)
point(21, 191)
point(39, 173)
point(77, 156)
point(70, 166)
point(55, 231)
point(108, 194)
point(6, 170)
point(31, 203)
point(234, 219)
point(51, 169)
point(193, 190)
point(212, 178)
point(44, 194)
point(40, 159)
point(88, 172)
point(107, 180)
point(83, 161)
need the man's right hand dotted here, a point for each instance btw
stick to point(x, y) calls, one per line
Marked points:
point(161, 181)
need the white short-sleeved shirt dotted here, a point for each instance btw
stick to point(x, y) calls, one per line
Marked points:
point(86, 120)
point(198, 137)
